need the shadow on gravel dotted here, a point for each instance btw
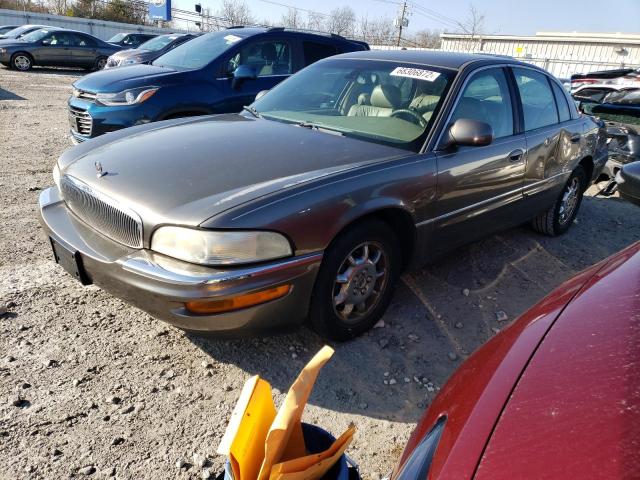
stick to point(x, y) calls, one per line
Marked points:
point(440, 314)
point(7, 95)
point(49, 71)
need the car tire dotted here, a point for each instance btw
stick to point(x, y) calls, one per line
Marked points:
point(561, 215)
point(100, 63)
point(356, 280)
point(21, 61)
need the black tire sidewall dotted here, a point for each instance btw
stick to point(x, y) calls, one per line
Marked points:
point(96, 66)
point(21, 54)
point(559, 228)
point(322, 316)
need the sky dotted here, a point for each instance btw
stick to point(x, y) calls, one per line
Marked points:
point(515, 17)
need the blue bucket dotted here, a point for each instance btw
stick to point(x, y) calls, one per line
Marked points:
point(316, 440)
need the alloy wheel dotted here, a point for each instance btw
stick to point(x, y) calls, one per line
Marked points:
point(360, 282)
point(22, 62)
point(569, 201)
point(101, 63)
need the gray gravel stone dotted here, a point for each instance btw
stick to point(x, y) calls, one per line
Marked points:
point(501, 316)
point(452, 356)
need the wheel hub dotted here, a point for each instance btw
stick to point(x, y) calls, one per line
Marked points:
point(360, 281)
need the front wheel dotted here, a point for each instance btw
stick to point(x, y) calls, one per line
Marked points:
point(22, 62)
point(561, 215)
point(356, 281)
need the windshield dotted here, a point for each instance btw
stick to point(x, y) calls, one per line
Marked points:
point(117, 37)
point(158, 43)
point(36, 36)
point(386, 102)
point(198, 52)
point(18, 31)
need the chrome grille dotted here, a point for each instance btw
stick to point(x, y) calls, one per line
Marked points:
point(84, 95)
point(80, 121)
point(101, 212)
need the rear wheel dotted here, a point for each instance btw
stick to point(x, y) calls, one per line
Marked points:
point(100, 63)
point(561, 215)
point(356, 281)
point(22, 61)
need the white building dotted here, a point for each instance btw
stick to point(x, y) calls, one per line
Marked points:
point(562, 54)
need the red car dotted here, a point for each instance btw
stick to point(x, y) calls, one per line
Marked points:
point(555, 395)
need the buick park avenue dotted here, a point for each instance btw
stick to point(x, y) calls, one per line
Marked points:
point(308, 205)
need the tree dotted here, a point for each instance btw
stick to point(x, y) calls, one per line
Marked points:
point(427, 38)
point(292, 19)
point(316, 21)
point(474, 24)
point(342, 20)
point(235, 12)
point(380, 31)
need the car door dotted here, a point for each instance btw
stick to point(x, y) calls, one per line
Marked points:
point(272, 61)
point(55, 50)
point(480, 186)
point(84, 50)
point(553, 137)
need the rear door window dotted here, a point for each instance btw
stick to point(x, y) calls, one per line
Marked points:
point(538, 103)
point(314, 51)
point(561, 100)
point(83, 41)
point(486, 98)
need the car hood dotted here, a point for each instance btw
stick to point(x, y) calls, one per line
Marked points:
point(574, 412)
point(118, 79)
point(186, 171)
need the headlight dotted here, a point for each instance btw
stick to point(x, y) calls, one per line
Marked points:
point(208, 247)
point(56, 176)
point(131, 61)
point(127, 97)
point(417, 466)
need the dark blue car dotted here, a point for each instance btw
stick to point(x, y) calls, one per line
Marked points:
point(216, 73)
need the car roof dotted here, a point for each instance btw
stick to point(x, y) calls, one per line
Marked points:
point(249, 31)
point(452, 60)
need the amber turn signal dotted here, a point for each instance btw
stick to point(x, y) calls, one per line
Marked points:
point(238, 302)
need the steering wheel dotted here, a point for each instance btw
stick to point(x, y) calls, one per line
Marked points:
point(415, 116)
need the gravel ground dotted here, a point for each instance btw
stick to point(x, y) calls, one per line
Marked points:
point(92, 386)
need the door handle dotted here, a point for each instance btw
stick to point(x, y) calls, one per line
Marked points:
point(575, 138)
point(516, 155)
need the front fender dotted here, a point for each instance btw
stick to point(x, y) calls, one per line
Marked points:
point(311, 215)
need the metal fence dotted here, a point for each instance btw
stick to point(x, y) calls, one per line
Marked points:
point(98, 28)
point(562, 54)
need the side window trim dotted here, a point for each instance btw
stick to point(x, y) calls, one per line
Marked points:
point(516, 103)
point(555, 99)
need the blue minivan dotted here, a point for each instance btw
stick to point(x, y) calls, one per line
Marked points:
point(218, 72)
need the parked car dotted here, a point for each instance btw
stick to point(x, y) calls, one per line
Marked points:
point(556, 395)
point(619, 75)
point(628, 180)
point(130, 40)
point(6, 28)
point(215, 73)
point(19, 32)
point(590, 95)
point(621, 113)
point(56, 47)
point(148, 51)
point(311, 202)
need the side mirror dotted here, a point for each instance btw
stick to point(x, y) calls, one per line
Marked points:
point(468, 132)
point(628, 180)
point(46, 41)
point(242, 73)
point(261, 94)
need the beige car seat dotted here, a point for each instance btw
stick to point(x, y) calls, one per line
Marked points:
point(384, 100)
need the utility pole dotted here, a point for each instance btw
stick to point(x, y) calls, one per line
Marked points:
point(401, 21)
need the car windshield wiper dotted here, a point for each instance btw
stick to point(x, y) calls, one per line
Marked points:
point(252, 111)
point(313, 126)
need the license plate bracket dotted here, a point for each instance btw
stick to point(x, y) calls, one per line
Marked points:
point(71, 261)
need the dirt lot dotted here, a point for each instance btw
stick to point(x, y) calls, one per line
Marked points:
point(92, 386)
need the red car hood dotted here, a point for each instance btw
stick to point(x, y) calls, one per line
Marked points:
point(552, 383)
point(575, 412)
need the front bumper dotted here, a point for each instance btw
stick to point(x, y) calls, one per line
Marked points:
point(161, 285)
